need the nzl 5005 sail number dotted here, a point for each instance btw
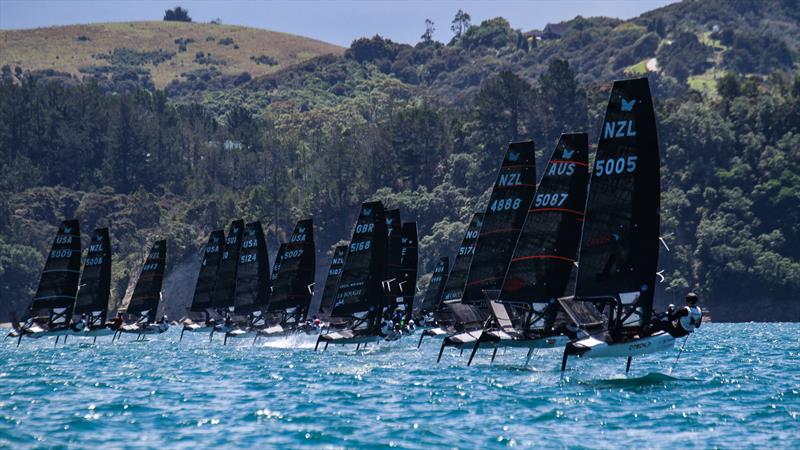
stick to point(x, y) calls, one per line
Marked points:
point(615, 166)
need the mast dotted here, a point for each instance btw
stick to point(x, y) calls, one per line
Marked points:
point(147, 293)
point(293, 273)
point(407, 285)
point(332, 281)
point(619, 245)
point(252, 275)
point(212, 254)
point(359, 295)
point(545, 255)
point(225, 285)
point(433, 295)
point(58, 284)
point(502, 222)
point(95, 285)
point(454, 286)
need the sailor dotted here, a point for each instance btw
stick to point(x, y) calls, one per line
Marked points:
point(684, 321)
point(117, 322)
point(163, 324)
point(80, 324)
point(386, 327)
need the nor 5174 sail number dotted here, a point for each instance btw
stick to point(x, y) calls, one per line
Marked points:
point(615, 166)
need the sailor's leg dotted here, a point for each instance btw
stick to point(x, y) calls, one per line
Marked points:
point(628, 366)
point(494, 353)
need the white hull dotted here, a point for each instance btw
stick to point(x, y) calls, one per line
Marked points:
point(595, 348)
point(197, 328)
point(97, 332)
point(150, 329)
point(500, 339)
point(463, 340)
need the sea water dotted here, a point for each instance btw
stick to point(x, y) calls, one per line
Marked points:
point(734, 386)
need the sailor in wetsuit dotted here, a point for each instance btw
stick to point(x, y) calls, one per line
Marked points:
point(684, 321)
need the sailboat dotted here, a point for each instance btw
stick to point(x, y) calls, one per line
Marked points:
point(620, 240)
point(359, 301)
point(292, 283)
point(146, 297)
point(433, 294)
point(223, 295)
point(394, 249)
point(252, 287)
point(544, 257)
point(502, 222)
point(95, 287)
point(199, 315)
point(332, 281)
point(409, 261)
point(442, 320)
point(50, 313)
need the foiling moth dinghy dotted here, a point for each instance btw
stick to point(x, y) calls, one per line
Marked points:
point(199, 319)
point(524, 312)
point(359, 300)
point(146, 297)
point(50, 312)
point(252, 284)
point(619, 250)
point(223, 292)
point(502, 223)
point(292, 286)
point(452, 285)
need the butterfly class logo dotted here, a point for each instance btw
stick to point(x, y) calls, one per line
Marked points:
point(627, 105)
point(366, 211)
point(301, 230)
point(568, 153)
point(513, 156)
point(235, 229)
point(67, 229)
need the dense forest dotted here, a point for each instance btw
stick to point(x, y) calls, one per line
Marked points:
point(421, 127)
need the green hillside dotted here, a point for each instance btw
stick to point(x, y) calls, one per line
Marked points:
point(422, 127)
point(159, 52)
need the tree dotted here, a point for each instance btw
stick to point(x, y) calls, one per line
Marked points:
point(460, 23)
point(177, 15)
point(427, 36)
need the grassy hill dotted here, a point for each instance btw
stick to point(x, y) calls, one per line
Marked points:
point(165, 49)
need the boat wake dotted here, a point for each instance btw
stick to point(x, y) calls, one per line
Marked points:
point(299, 340)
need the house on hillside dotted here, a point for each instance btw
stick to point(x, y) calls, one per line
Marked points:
point(554, 30)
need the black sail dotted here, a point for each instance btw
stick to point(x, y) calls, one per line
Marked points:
point(409, 256)
point(547, 247)
point(454, 286)
point(394, 248)
point(95, 286)
point(360, 294)
point(212, 254)
point(225, 285)
point(619, 245)
point(252, 275)
point(332, 281)
point(59, 282)
point(294, 272)
point(433, 295)
point(502, 222)
point(147, 293)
